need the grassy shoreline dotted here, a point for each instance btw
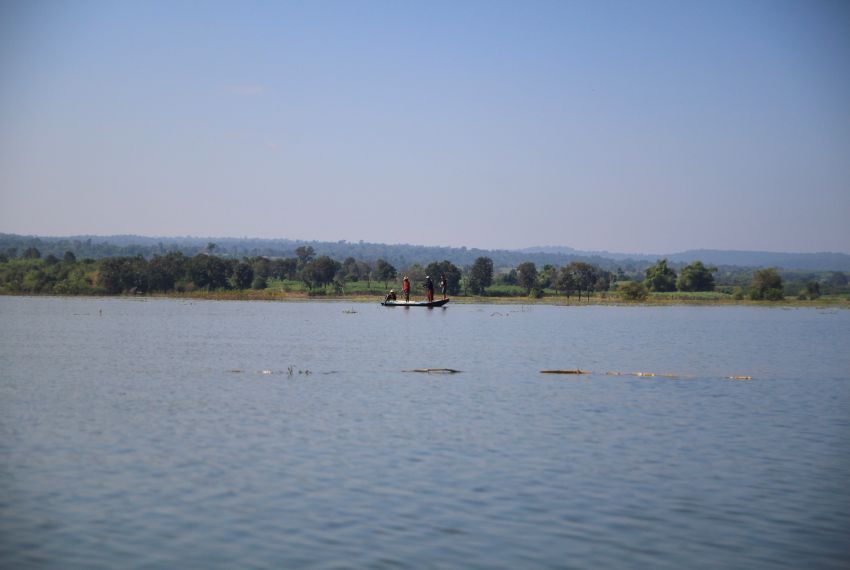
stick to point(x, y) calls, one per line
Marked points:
point(607, 299)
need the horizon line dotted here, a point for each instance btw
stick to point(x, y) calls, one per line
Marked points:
point(524, 249)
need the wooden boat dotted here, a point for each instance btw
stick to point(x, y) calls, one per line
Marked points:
point(437, 303)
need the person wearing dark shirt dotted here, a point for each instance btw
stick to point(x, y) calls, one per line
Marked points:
point(429, 288)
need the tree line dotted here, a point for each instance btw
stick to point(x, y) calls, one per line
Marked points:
point(30, 272)
point(765, 284)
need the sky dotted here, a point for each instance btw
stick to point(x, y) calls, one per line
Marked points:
point(639, 127)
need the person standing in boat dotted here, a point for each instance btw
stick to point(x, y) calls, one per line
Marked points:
point(429, 288)
point(405, 288)
point(444, 286)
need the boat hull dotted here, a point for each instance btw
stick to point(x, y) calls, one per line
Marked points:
point(438, 303)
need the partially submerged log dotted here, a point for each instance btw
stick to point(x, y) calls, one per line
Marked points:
point(434, 370)
point(564, 372)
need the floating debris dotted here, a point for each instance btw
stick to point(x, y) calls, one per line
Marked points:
point(434, 370)
point(657, 375)
point(642, 374)
point(290, 371)
point(349, 312)
point(564, 372)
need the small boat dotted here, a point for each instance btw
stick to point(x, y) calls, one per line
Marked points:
point(438, 303)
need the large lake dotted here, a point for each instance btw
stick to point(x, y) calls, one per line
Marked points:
point(187, 434)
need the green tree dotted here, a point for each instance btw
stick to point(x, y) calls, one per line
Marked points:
point(480, 275)
point(304, 253)
point(384, 271)
point(243, 275)
point(660, 277)
point(350, 270)
point(548, 277)
point(526, 276)
point(69, 257)
point(584, 275)
point(566, 282)
point(365, 272)
point(813, 289)
point(209, 271)
point(261, 265)
point(509, 278)
point(35, 281)
point(123, 274)
point(696, 277)
point(603, 280)
point(283, 268)
point(766, 285)
point(31, 253)
point(13, 275)
point(320, 271)
point(164, 271)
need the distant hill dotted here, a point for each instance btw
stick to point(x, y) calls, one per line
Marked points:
point(402, 255)
point(564, 250)
point(824, 261)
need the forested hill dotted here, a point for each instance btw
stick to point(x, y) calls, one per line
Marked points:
point(401, 255)
point(805, 261)
point(824, 261)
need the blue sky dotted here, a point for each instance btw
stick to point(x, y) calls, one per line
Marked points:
point(624, 126)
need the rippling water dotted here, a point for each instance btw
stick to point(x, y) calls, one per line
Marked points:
point(163, 433)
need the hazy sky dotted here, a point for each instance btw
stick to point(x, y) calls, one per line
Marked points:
point(626, 126)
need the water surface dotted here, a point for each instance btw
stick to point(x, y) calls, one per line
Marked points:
point(167, 433)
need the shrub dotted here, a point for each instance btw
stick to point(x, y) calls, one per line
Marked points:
point(633, 291)
point(767, 285)
point(773, 295)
